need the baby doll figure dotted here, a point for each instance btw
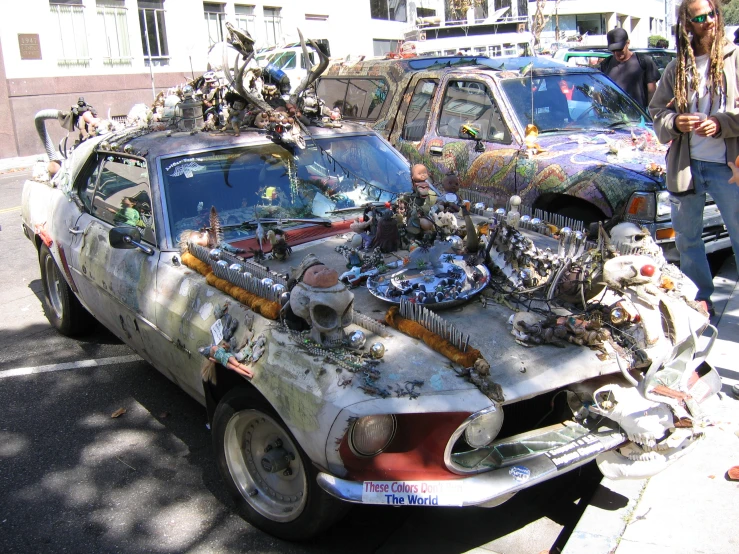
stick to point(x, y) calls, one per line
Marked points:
point(451, 201)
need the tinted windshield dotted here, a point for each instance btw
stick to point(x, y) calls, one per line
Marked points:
point(269, 181)
point(574, 101)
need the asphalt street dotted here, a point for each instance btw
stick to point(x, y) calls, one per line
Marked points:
point(75, 479)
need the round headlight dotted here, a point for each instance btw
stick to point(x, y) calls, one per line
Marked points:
point(370, 435)
point(484, 427)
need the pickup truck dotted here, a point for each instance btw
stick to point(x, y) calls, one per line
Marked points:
point(592, 157)
point(332, 374)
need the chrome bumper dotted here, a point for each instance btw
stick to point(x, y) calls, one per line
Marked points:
point(474, 490)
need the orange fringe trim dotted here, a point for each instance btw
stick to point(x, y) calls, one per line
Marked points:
point(262, 306)
point(442, 346)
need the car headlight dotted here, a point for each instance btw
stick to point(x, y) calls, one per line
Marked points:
point(483, 427)
point(370, 435)
point(641, 207)
point(664, 206)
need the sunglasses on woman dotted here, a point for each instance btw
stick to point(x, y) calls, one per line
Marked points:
point(702, 18)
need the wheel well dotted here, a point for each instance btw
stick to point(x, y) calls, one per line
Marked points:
point(226, 381)
point(571, 206)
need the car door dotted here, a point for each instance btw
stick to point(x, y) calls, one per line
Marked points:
point(117, 285)
point(490, 155)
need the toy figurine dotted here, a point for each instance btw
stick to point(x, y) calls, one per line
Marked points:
point(236, 116)
point(220, 353)
point(450, 201)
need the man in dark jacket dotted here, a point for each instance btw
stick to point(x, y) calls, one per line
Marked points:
point(637, 74)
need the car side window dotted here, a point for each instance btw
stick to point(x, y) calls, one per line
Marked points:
point(333, 92)
point(419, 109)
point(86, 181)
point(364, 98)
point(472, 103)
point(123, 197)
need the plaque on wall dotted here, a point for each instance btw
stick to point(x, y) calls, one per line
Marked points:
point(29, 46)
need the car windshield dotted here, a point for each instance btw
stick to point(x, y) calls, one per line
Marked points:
point(271, 181)
point(572, 101)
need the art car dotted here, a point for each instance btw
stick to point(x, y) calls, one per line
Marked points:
point(355, 334)
point(565, 139)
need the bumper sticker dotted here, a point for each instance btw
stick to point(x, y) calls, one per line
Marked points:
point(520, 473)
point(575, 451)
point(414, 493)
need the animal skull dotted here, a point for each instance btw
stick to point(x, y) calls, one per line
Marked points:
point(623, 271)
point(327, 310)
point(644, 421)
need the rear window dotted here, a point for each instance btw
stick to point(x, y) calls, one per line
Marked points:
point(359, 98)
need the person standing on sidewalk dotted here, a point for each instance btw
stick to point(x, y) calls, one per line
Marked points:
point(636, 73)
point(696, 106)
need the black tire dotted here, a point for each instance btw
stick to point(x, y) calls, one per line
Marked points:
point(288, 504)
point(61, 306)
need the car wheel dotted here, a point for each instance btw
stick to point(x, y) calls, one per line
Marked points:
point(272, 481)
point(61, 306)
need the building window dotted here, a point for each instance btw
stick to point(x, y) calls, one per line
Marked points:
point(153, 32)
point(215, 17)
point(246, 20)
point(69, 19)
point(389, 10)
point(381, 46)
point(591, 24)
point(273, 24)
point(112, 17)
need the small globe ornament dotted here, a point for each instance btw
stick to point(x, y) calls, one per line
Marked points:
point(357, 340)
point(267, 281)
point(377, 350)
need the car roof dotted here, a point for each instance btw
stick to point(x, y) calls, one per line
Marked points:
point(429, 63)
point(166, 143)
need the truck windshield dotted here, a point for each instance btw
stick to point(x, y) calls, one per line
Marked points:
point(573, 101)
point(269, 181)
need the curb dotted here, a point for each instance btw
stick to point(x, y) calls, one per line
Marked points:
point(606, 517)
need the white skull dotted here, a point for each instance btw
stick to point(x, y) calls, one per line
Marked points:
point(644, 421)
point(631, 236)
point(327, 310)
point(623, 271)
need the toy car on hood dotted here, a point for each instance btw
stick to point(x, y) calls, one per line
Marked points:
point(217, 259)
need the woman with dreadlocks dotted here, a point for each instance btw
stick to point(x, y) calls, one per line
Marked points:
point(696, 106)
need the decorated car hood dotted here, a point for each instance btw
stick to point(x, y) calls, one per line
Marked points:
point(632, 149)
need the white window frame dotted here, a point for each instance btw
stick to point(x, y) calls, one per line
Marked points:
point(72, 42)
point(114, 21)
point(246, 19)
point(215, 19)
point(160, 59)
point(273, 24)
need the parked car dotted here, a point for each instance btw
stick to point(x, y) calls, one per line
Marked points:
point(595, 157)
point(159, 234)
point(573, 55)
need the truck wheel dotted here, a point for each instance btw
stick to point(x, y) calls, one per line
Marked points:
point(272, 481)
point(61, 306)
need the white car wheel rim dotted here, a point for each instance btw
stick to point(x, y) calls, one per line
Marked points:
point(251, 440)
point(53, 285)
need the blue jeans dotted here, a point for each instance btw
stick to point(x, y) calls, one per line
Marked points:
point(687, 219)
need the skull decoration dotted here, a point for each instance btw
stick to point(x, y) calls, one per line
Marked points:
point(320, 299)
point(623, 271)
point(631, 239)
point(327, 310)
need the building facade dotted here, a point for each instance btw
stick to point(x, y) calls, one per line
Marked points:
point(117, 53)
point(589, 21)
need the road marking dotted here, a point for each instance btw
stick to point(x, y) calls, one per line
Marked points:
point(6, 210)
point(68, 365)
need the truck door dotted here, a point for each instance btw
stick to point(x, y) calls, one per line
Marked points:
point(484, 155)
point(118, 285)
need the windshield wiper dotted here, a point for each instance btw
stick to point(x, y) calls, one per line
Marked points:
point(273, 221)
point(356, 208)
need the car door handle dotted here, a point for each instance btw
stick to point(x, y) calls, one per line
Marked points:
point(76, 231)
point(435, 150)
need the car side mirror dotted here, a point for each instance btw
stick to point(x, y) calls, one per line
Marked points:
point(472, 132)
point(127, 238)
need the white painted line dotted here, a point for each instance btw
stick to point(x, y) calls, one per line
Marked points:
point(68, 365)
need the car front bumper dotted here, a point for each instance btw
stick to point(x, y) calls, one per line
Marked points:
point(483, 489)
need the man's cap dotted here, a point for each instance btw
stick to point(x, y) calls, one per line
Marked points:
point(617, 39)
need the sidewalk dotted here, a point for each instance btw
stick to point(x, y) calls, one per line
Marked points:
point(691, 507)
point(16, 164)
